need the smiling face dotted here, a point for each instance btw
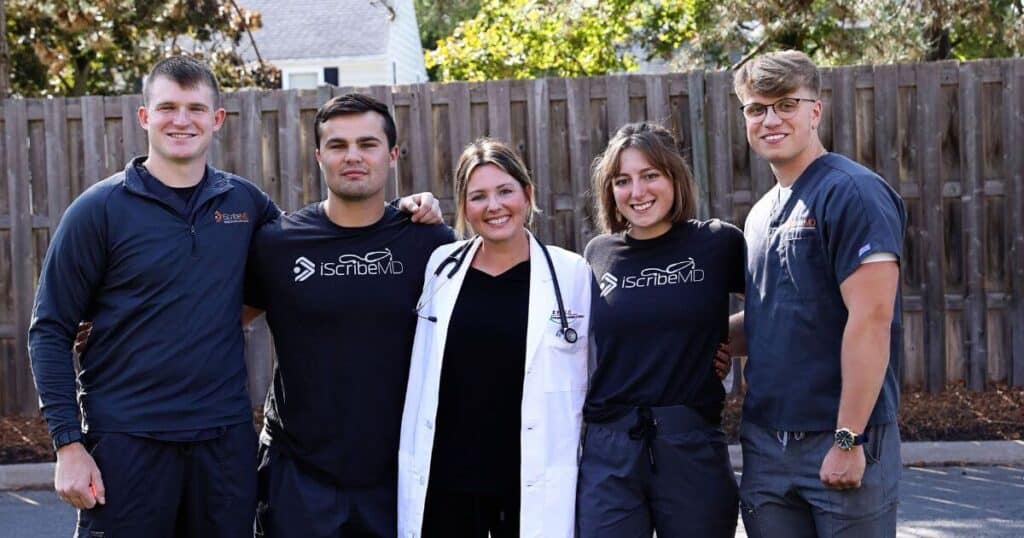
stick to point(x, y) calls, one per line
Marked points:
point(643, 195)
point(354, 156)
point(496, 206)
point(179, 121)
point(788, 144)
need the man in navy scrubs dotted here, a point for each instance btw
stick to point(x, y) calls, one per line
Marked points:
point(821, 325)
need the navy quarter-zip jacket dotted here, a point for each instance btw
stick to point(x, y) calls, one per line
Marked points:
point(164, 293)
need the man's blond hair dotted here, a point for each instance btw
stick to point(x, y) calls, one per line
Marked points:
point(776, 74)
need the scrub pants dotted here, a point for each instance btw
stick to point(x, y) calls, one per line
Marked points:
point(661, 469)
point(164, 489)
point(781, 493)
point(295, 503)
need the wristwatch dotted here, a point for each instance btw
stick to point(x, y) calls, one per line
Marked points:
point(66, 438)
point(846, 439)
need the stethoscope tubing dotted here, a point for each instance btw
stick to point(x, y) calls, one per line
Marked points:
point(458, 257)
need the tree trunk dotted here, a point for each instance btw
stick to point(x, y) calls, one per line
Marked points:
point(940, 47)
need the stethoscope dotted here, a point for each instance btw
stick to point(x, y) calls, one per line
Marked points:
point(458, 257)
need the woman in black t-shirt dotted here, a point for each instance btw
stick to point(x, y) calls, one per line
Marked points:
point(654, 458)
point(499, 370)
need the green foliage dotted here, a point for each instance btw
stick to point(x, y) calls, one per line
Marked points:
point(81, 47)
point(856, 31)
point(536, 38)
point(438, 18)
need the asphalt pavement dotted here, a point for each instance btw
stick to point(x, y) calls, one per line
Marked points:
point(936, 502)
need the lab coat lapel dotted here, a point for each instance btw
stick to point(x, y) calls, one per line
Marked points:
point(542, 301)
point(448, 294)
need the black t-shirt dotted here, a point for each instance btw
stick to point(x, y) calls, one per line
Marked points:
point(658, 311)
point(340, 304)
point(180, 198)
point(479, 412)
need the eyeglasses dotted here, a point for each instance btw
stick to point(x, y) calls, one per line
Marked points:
point(784, 108)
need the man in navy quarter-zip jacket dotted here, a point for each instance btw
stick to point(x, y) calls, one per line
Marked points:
point(154, 257)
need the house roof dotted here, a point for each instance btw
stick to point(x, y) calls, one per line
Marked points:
point(299, 29)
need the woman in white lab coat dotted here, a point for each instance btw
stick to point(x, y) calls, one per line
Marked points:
point(499, 369)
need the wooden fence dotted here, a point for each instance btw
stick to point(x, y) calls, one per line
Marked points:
point(949, 137)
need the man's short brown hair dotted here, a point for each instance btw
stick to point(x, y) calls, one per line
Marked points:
point(776, 74)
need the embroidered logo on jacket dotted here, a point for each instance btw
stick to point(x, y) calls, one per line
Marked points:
point(221, 217)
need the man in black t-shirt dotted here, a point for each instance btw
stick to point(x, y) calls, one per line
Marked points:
point(339, 280)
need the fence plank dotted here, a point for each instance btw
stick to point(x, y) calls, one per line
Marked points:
point(537, 110)
point(459, 118)
point(133, 136)
point(886, 93)
point(719, 120)
point(58, 194)
point(658, 109)
point(973, 198)
point(843, 112)
point(289, 132)
point(1013, 162)
point(617, 91)
point(420, 118)
point(928, 140)
point(93, 139)
point(699, 135)
point(499, 123)
point(578, 105)
point(17, 376)
point(251, 156)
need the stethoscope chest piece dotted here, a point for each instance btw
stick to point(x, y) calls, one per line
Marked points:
point(569, 335)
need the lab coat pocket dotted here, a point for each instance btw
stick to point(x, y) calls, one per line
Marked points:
point(564, 364)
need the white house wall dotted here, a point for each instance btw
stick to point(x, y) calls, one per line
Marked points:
point(404, 45)
point(361, 71)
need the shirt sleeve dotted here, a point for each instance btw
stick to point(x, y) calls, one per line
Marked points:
point(253, 286)
point(737, 261)
point(72, 272)
point(862, 218)
point(270, 210)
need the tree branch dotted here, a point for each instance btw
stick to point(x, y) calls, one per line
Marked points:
point(757, 50)
point(248, 32)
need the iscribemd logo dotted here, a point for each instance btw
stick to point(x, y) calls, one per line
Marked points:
point(682, 272)
point(608, 283)
point(375, 263)
point(303, 269)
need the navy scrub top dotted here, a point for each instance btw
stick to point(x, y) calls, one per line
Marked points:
point(799, 249)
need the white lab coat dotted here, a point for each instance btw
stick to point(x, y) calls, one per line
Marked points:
point(553, 392)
